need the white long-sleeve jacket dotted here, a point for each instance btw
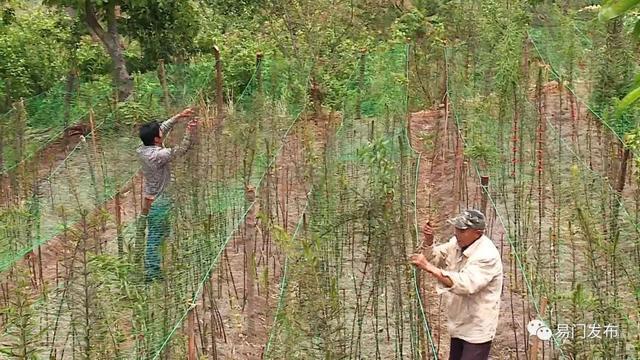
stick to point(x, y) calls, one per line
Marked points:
point(473, 302)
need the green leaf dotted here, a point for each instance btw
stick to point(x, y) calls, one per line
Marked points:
point(629, 99)
point(616, 8)
point(636, 29)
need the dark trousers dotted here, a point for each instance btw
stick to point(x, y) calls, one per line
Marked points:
point(462, 350)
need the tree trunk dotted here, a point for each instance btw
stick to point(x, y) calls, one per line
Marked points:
point(111, 41)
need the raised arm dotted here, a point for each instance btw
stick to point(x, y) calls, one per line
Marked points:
point(168, 124)
point(434, 253)
point(168, 154)
point(427, 252)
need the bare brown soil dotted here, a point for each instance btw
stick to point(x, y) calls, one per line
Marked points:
point(45, 262)
point(448, 184)
point(242, 332)
point(43, 162)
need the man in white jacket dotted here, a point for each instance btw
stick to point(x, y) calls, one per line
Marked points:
point(468, 269)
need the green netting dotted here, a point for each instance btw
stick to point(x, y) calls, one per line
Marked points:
point(89, 174)
point(573, 238)
point(43, 119)
point(256, 129)
point(585, 58)
point(349, 264)
point(209, 204)
point(347, 290)
point(88, 177)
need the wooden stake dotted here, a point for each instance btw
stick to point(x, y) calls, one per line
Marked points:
point(162, 75)
point(363, 58)
point(94, 136)
point(72, 77)
point(94, 146)
point(118, 211)
point(535, 342)
point(408, 99)
point(259, 71)
point(192, 354)
point(2, 135)
point(249, 250)
point(219, 98)
point(484, 182)
point(445, 100)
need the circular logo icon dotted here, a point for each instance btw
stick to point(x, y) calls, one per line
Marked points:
point(544, 333)
point(534, 325)
point(540, 329)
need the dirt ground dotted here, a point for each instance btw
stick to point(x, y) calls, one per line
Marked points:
point(44, 161)
point(443, 176)
point(439, 178)
point(242, 330)
point(447, 184)
point(45, 263)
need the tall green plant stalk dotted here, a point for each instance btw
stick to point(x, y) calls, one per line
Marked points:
point(25, 334)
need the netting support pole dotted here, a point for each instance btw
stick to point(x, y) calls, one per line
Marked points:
point(21, 124)
point(259, 71)
point(219, 98)
point(70, 86)
point(406, 74)
point(94, 135)
point(361, 73)
point(2, 171)
point(192, 354)
point(445, 101)
point(535, 341)
point(249, 300)
point(118, 211)
point(162, 75)
point(96, 160)
point(315, 96)
point(484, 182)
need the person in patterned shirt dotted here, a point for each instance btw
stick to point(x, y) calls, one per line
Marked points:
point(155, 160)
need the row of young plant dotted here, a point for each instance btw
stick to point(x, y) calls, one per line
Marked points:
point(87, 173)
point(347, 290)
point(279, 101)
point(98, 287)
point(35, 123)
point(562, 217)
point(604, 152)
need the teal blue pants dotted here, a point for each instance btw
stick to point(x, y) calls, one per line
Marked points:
point(159, 227)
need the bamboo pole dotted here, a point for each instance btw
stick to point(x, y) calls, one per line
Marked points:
point(484, 182)
point(94, 135)
point(249, 250)
point(361, 73)
point(259, 58)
